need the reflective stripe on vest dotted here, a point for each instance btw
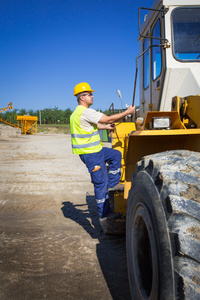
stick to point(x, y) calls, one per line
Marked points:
point(82, 136)
point(83, 142)
point(86, 145)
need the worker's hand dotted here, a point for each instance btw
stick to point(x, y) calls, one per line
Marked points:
point(131, 110)
point(111, 126)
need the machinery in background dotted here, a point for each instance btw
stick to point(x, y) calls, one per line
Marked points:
point(27, 124)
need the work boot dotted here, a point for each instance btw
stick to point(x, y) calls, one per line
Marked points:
point(118, 187)
point(114, 223)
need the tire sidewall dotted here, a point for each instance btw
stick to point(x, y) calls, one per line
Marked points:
point(144, 191)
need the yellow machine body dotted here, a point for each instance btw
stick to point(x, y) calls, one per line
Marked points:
point(190, 108)
point(134, 144)
point(120, 142)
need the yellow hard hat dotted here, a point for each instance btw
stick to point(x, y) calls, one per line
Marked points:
point(82, 87)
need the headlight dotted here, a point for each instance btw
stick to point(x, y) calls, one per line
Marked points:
point(161, 122)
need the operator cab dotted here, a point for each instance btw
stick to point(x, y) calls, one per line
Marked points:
point(169, 53)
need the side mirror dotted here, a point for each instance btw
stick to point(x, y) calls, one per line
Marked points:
point(120, 96)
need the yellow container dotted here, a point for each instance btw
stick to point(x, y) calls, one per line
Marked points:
point(28, 124)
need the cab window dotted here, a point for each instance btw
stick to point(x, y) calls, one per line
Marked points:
point(186, 33)
point(146, 64)
point(156, 52)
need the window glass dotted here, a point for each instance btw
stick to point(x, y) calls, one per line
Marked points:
point(156, 52)
point(146, 64)
point(186, 33)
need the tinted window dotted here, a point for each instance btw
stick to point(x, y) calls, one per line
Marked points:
point(186, 33)
point(156, 52)
point(146, 64)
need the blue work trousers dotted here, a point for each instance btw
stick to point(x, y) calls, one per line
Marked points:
point(101, 177)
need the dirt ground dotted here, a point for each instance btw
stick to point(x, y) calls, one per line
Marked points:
point(51, 243)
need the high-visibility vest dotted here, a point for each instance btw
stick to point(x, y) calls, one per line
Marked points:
point(83, 142)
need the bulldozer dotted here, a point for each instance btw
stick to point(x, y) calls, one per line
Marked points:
point(161, 156)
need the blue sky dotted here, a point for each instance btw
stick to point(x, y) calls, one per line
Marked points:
point(48, 46)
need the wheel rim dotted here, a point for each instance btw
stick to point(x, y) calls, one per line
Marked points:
point(144, 254)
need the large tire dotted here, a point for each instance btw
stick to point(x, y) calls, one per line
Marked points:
point(163, 227)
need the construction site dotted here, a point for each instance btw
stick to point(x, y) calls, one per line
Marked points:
point(52, 246)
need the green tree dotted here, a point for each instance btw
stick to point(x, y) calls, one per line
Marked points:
point(31, 112)
point(67, 114)
point(48, 115)
point(22, 112)
point(10, 115)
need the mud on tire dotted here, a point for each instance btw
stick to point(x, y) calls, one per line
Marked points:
point(163, 227)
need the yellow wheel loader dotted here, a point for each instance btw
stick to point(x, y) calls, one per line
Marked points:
point(161, 156)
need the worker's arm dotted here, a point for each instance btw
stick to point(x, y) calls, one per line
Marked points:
point(105, 126)
point(111, 119)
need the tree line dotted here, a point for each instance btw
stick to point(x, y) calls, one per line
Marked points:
point(46, 116)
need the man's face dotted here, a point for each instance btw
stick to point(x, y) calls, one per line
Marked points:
point(88, 98)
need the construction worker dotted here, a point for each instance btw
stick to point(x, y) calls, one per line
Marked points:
point(86, 142)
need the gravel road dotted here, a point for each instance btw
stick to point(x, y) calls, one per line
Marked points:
point(51, 244)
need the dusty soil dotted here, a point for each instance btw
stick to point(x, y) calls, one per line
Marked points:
point(51, 243)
